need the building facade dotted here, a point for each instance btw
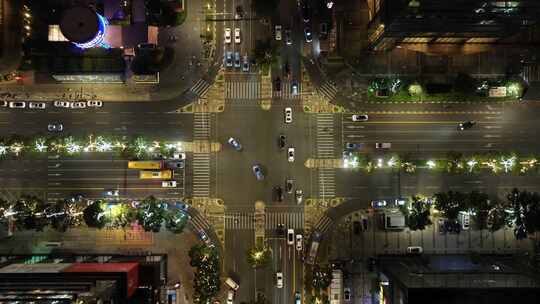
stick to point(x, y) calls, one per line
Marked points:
point(424, 24)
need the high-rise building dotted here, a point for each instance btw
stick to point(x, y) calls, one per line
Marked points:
point(422, 24)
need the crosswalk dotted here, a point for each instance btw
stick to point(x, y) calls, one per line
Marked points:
point(325, 135)
point(327, 183)
point(286, 91)
point(201, 175)
point(200, 88)
point(242, 90)
point(239, 221)
point(327, 90)
point(292, 220)
point(201, 161)
point(531, 73)
point(325, 149)
point(201, 126)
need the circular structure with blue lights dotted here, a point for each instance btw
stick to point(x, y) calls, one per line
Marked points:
point(83, 27)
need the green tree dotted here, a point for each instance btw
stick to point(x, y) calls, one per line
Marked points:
point(498, 217)
point(259, 257)
point(418, 214)
point(151, 214)
point(176, 220)
point(450, 203)
point(94, 215)
point(5, 207)
point(322, 276)
point(480, 205)
point(265, 52)
point(206, 282)
point(60, 215)
point(124, 215)
point(30, 213)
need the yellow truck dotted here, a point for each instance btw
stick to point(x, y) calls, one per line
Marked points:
point(161, 174)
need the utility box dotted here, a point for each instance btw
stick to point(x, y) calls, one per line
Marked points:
point(393, 220)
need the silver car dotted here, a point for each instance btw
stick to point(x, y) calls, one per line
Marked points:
point(229, 59)
point(55, 127)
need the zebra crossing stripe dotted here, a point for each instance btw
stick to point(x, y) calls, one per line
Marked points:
point(327, 90)
point(323, 224)
point(200, 88)
point(199, 223)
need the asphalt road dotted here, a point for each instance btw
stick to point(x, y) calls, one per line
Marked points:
point(148, 119)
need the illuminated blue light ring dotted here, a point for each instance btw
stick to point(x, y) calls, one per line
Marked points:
point(100, 35)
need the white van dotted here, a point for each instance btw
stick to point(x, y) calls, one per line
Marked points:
point(464, 220)
point(232, 284)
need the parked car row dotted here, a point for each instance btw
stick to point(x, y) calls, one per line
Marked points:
point(234, 60)
point(57, 103)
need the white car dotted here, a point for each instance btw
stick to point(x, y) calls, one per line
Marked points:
point(360, 117)
point(37, 105)
point(237, 35)
point(299, 242)
point(230, 296)
point(228, 35)
point(17, 104)
point(3, 103)
point(290, 236)
point(279, 279)
point(288, 115)
point(61, 104)
point(179, 156)
point(278, 32)
point(290, 155)
point(168, 184)
point(78, 105)
point(94, 103)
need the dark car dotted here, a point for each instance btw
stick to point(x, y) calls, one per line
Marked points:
point(175, 164)
point(365, 223)
point(323, 31)
point(282, 141)
point(353, 146)
point(371, 263)
point(307, 33)
point(356, 227)
point(279, 193)
point(306, 12)
point(466, 125)
point(281, 230)
point(277, 84)
point(286, 69)
point(289, 185)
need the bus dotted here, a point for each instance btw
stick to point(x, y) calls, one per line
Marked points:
point(315, 240)
point(145, 164)
point(162, 174)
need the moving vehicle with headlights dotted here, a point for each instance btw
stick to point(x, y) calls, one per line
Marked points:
point(290, 155)
point(236, 145)
point(466, 125)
